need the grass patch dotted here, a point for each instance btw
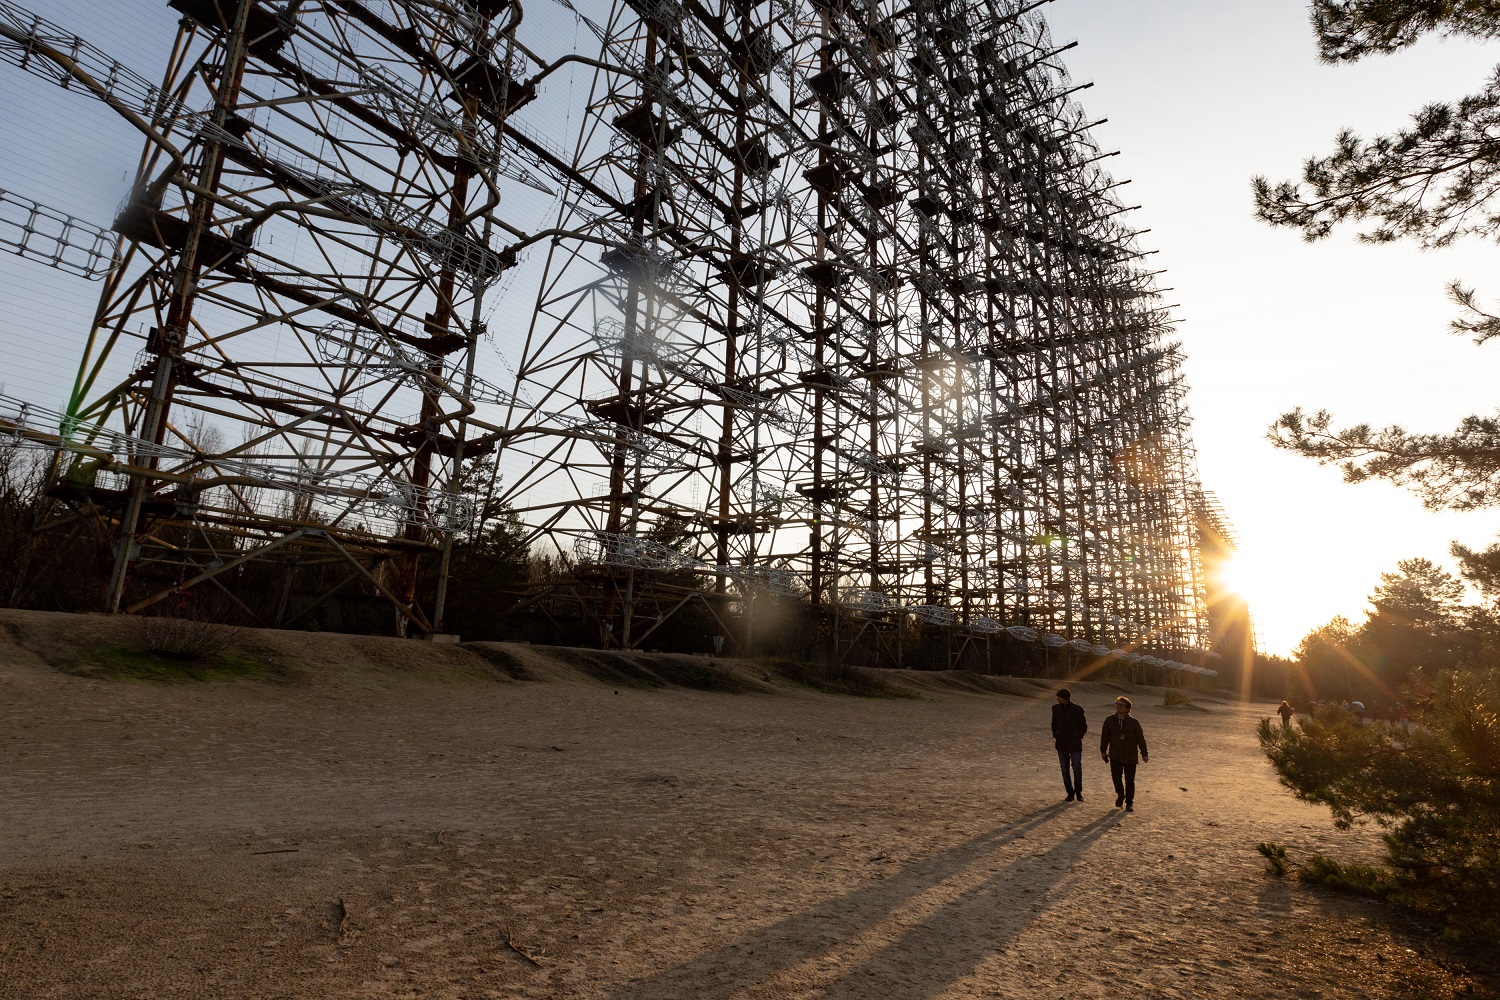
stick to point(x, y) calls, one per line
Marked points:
point(609, 669)
point(1173, 698)
point(842, 678)
point(163, 651)
point(653, 670)
point(1361, 880)
point(123, 663)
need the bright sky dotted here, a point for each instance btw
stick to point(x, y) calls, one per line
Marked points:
point(1200, 96)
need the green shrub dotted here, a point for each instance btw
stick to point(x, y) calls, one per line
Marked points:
point(1173, 698)
point(1434, 788)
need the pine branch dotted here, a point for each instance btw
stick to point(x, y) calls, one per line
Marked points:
point(1457, 471)
point(1479, 324)
point(1434, 182)
point(1348, 30)
point(1481, 568)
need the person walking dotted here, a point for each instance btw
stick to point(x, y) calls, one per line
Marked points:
point(1119, 743)
point(1285, 711)
point(1068, 727)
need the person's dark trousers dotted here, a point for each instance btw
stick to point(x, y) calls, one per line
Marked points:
point(1072, 782)
point(1119, 769)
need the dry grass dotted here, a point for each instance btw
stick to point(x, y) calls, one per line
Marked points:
point(181, 638)
point(841, 678)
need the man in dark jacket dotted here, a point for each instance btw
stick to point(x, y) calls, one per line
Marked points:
point(1068, 727)
point(1119, 742)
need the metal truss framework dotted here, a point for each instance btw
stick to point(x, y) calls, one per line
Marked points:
point(872, 323)
point(840, 307)
point(301, 268)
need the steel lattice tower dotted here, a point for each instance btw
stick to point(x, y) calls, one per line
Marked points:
point(870, 325)
point(838, 311)
point(300, 268)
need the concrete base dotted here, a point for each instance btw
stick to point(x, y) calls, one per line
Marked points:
point(439, 637)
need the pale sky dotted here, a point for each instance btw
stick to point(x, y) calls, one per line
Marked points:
point(1200, 96)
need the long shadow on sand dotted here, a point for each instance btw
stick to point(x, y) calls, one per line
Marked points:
point(748, 961)
point(955, 940)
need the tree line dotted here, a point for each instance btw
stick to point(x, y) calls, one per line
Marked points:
point(1418, 621)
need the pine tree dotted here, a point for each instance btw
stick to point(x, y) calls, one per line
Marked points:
point(1326, 661)
point(1414, 622)
point(1434, 182)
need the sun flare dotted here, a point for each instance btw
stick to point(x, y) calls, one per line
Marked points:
point(1257, 581)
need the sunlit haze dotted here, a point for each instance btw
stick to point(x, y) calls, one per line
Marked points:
point(1200, 97)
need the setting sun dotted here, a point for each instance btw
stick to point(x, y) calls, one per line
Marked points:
point(1249, 577)
point(1261, 581)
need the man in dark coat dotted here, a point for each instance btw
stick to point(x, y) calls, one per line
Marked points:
point(1119, 742)
point(1068, 727)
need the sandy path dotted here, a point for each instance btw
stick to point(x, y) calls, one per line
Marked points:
point(383, 837)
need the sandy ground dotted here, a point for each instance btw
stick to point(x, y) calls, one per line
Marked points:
point(397, 820)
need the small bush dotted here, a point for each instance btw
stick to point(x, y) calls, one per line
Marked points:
point(1275, 855)
point(841, 678)
point(503, 660)
point(182, 639)
point(1362, 880)
point(1173, 698)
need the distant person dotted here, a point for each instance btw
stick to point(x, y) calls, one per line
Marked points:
point(1358, 708)
point(1119, 743)
point(1068, 727)
point(1285, 711)
point(1403, 716)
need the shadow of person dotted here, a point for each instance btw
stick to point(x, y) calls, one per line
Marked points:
point(731, 968)
point(1275, 897)
point(955, 939)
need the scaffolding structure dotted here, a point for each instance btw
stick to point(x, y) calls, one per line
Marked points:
point(839, 309)
point(869, 322)
point(300, 268)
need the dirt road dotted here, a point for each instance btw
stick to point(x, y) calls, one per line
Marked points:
point(388, 819)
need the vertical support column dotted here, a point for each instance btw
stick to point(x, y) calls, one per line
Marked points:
point(170, 337)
